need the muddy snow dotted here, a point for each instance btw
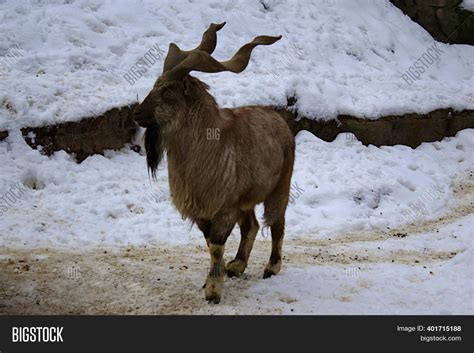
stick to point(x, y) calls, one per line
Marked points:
point(356, 273)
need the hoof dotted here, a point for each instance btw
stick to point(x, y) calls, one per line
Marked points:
point(267, 274)
point(213, 290)
point(213, 299)
point(271, 270)
point(235, 268)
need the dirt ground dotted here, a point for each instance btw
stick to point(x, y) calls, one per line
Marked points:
point(169, 279)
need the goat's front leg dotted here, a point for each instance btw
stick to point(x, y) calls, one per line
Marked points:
point(220, 230)
point(215, 278)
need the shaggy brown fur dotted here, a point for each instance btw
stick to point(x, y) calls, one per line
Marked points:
point(221, 163)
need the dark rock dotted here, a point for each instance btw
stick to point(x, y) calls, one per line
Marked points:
point(3, 135)
point(443, 19)
point(115, 128)
point(86, 137)
point(408, 129)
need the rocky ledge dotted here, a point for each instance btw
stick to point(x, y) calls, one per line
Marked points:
point(115, 128)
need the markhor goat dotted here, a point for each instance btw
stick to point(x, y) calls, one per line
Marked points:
point(221, 162)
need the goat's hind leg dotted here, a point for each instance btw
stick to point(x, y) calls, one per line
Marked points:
point(248, 230)
point(274, 264)
point(275, 208)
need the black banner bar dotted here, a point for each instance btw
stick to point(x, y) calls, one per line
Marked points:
point(217, 333)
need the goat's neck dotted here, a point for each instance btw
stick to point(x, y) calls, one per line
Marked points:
point(197, 126)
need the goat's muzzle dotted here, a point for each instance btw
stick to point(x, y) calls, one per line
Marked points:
point(144, 120)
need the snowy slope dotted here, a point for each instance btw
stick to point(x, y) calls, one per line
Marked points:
point(63, 60)
point(337, 187)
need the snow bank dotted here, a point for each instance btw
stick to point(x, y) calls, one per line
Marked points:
point(345, 185)
point(468, 5)
point(437, 288)
point(338, 187)
point(64, 60)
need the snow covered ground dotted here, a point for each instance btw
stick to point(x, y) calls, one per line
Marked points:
point(369, 230)
point(64, 60)
point(337, 187)
point(361, 273)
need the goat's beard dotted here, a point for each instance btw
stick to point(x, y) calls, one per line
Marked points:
point(154, 147)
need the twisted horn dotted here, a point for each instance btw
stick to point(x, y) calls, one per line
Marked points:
point(208, 44)
point(201, 61)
